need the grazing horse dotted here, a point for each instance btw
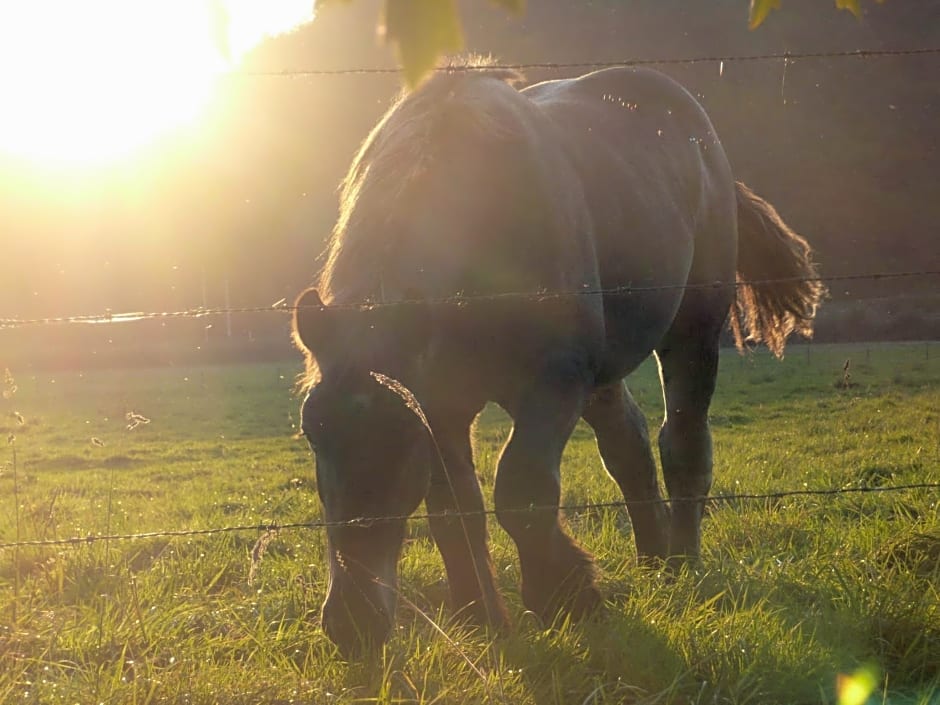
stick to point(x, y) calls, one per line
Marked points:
point(529, 248)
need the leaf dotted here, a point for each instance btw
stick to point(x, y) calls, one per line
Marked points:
point(850, 5)
point(421, 30)
point(515, 6)
point(759, 11)
point(761, 8)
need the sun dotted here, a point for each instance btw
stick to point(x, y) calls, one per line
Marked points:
point(92, 82)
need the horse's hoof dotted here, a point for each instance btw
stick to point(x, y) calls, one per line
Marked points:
point(655, 547)
point(493, 617)
point(654, 561)
point(675, 565)
point(586, 603)
point(575, 599)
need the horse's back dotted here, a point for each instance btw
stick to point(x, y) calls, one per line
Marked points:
point(659, 190)
point(651, 164)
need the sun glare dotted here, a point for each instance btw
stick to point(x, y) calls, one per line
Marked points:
point(85, 83)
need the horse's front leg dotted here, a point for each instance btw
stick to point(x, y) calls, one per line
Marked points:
point(557, 574)
point(462, 537)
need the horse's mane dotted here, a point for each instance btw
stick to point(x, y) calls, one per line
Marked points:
point(456, 102)
point(397, 152)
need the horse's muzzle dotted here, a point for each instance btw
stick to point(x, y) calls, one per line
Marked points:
point(358, 617)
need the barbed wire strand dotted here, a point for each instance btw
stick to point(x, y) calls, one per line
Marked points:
point(460, 299)
point(370, 521)
point(636, 61)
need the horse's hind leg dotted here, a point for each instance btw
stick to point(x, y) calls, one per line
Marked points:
point(624, 445)
point(688, 367)
point(557, 575)
point(462, 538)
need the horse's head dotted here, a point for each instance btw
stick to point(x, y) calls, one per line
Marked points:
point(372, 455)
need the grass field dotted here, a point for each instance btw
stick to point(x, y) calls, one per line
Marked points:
point(793, 592)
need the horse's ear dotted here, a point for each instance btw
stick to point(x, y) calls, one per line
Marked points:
point(311, 320)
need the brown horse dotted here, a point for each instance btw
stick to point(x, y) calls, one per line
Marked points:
point(584, 224)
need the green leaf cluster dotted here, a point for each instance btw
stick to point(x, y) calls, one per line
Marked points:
point(421, 31)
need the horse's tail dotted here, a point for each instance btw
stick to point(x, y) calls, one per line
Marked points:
point(786, 289)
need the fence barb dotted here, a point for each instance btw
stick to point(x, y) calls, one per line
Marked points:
point(636, 61)
point(457, 300)
point(270, 527)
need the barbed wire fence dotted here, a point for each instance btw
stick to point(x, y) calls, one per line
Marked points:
point(461, 300)
point(370, 521)
point(283, 307)
point(719, 59)
point(458, 300)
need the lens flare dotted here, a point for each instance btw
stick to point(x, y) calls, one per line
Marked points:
point(93, 82)
point(855, 689)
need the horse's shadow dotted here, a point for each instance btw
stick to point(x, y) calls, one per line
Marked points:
point(615, 655)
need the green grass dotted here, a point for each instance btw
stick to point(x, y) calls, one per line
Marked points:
point(792, 592)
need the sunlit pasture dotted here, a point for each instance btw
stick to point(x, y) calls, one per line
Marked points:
point(797, 599)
